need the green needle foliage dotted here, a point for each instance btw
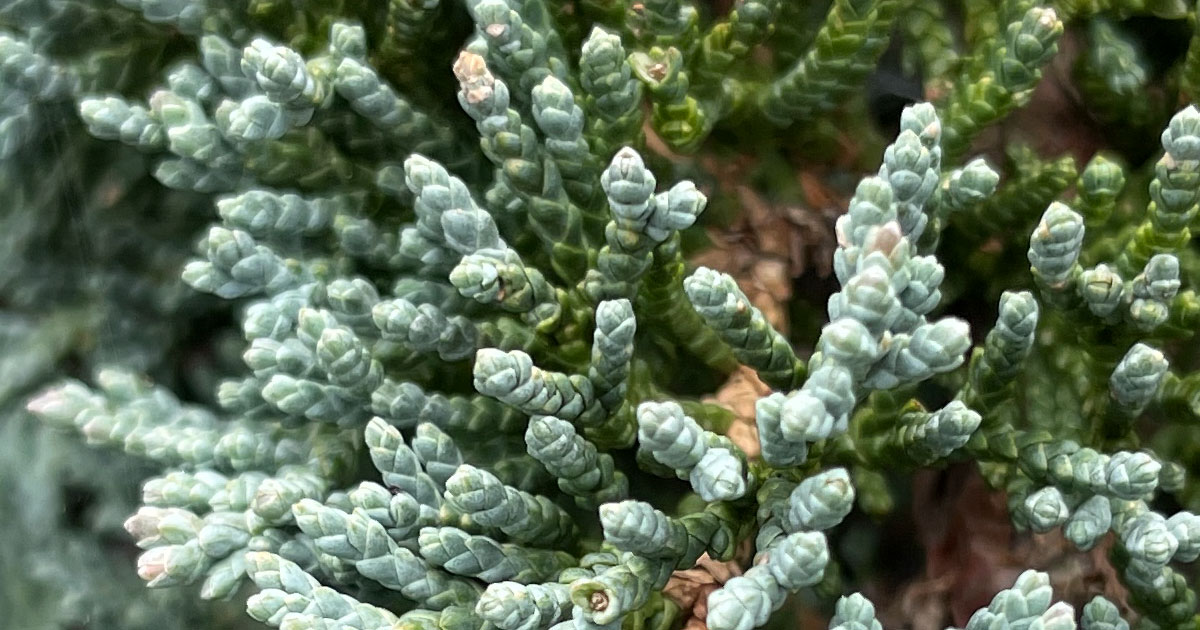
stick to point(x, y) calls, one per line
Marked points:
point(384, 316)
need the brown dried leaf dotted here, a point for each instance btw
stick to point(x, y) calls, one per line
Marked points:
point(721, 572)
point(739, 394)
point(689, 588)
point(744, 435)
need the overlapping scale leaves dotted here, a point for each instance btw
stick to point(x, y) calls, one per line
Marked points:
point(466, 328)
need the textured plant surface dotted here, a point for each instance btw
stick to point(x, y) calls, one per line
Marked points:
point(573, 314)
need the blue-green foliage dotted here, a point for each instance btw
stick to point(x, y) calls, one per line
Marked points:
point(385, 309)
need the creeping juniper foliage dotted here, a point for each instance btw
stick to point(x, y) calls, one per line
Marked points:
point(522, 314)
